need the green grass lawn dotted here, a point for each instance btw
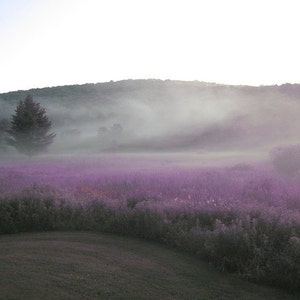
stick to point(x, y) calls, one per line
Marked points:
point(79, 265)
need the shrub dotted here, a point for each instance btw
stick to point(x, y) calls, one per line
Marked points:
point(286, 160)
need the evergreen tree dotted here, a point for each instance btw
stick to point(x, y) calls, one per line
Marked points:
point(29, 130)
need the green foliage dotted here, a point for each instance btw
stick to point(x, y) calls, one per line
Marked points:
point(29, 131)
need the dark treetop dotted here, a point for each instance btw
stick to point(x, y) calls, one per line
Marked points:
point(29, 130)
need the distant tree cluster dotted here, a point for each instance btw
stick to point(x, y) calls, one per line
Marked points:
point(29, 128)
point(115, 129)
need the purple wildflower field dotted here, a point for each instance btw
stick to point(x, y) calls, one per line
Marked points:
point(242, 218)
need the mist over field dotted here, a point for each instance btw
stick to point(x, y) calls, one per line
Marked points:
point(159, 117)
point(210, 169)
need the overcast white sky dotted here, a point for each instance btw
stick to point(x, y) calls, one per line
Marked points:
point(59, 42)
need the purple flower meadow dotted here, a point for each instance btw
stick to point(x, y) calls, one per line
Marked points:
point(242, 219)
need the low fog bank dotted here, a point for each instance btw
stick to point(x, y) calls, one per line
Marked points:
point(163, 117)
point(81, 166)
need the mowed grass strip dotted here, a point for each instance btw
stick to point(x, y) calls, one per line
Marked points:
point(81, 265)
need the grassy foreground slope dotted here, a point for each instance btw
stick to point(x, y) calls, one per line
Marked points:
point(80, 265)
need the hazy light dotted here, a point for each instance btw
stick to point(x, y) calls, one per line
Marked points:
point(58, 42)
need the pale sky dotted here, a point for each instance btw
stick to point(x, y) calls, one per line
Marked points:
point(59, 42)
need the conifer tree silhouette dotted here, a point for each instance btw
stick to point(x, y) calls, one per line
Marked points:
point(30, 126)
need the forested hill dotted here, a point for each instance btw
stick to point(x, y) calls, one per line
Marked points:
point(113, 89)
point(157, 115)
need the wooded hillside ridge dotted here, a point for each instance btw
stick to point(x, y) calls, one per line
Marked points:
point(166, 115)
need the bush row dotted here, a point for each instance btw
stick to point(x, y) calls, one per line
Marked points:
point(260, 249)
